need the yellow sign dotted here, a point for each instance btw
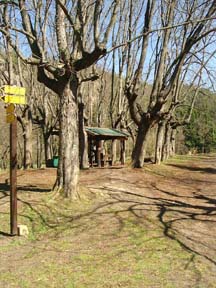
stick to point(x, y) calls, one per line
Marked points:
point(14, 94)
point(10, 118)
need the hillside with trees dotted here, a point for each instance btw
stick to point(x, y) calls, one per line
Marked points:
point(200, 133)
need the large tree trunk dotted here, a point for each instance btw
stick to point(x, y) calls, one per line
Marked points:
point(172, 142)
point(138, 154)
point(159, 142)
point(166, 146)
point(68, 170)
point(47, 147)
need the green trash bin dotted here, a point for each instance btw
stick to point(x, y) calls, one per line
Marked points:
point(55, 161)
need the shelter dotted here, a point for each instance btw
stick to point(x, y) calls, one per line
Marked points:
point(96, 148)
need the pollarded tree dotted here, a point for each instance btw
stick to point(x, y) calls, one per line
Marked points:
point(182, 96)
point(172, 33)
point(63, 38)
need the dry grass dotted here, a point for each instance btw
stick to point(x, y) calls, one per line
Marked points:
point(132, 228)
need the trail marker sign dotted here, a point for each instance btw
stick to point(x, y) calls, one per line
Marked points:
point(10, 113)
point(14, 94)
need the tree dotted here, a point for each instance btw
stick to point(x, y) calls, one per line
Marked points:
point(176, 115)
point(171, 36)
point(63, 38)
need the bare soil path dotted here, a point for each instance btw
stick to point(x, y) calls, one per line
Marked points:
point(153, 227)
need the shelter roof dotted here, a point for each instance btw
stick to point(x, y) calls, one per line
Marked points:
point(106, 133)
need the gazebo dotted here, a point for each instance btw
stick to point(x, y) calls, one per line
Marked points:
point(96, 152)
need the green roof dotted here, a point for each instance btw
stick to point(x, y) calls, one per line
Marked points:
point(106, 132)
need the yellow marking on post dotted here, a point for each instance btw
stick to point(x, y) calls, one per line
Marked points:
point(10, 108)
point(10, 118)
point(10, 113)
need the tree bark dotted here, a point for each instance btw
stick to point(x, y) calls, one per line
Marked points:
point(159, 142)
point(172, 142)
point(47, 148)
point(166, 146)
point(68, 169)
point(138, 154)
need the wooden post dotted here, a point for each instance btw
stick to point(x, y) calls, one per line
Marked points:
point(98, 152)
point(13, 177)
point(114, 151)
point(90, 152)
point(13, 144)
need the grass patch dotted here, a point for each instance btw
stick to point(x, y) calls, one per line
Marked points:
point(97, 242)
point(131, 257)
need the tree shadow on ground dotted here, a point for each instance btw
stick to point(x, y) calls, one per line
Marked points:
point(4, 187)
point(5, 192)
point(36, 211)
point(32, 188)
point(195, 169)
point(190, 214)
point(6, 234)
point(28, 188)
point(169, 212)
point(169, 208)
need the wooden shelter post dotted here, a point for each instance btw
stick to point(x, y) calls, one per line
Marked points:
point(98, 152)
point(114, 151)
point(90, 152)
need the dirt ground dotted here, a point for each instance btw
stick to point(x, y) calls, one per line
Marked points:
point(175, 202)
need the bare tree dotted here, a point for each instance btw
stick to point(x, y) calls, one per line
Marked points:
point(63, 38)
point(183, 95)
point(172, 33)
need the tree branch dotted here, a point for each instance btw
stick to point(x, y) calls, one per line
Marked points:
point(191, 22)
